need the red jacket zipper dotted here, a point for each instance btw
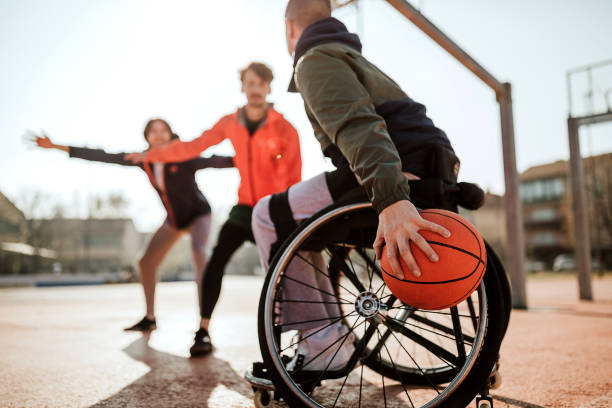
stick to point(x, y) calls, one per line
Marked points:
point(250, 162)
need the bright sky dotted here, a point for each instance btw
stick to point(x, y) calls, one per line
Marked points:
point(92, 73)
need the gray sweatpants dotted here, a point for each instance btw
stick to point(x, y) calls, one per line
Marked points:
point(304, 280)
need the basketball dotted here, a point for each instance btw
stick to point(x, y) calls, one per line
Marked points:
point(454, 277)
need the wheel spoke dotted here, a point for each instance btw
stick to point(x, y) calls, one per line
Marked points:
point(312, 321)
point(315, 288)
point(369, 262)
point(439, 326)
point(350, 274)
point(312, 301)
point(354, 276)
point(360, 385)
point(435, 349)
point(458, 334)
point(417, 365)
point(334, 356)
point(423, 328)
point(320, 271)
point(313, 333)
point(395, 368)
point(382, 376)
point(406, 307)
point(470, 304)
point(343, 338)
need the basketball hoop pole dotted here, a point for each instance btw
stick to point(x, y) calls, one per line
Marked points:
point(515, 258)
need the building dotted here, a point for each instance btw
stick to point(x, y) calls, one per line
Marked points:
point(490, 222)
point(16, 255)
point(91, 245)
point(12, 221)
point(547, 208)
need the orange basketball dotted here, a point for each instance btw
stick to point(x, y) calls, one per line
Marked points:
point(446, 283)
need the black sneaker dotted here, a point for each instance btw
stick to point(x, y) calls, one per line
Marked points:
point(201, 344)
point(144, 325)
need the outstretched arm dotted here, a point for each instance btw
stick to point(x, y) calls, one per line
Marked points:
point(179, 151)
point(44, 142)
point(84, 153)
point(218, 162)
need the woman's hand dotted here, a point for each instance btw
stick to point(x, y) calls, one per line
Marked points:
point(43, 141)
point(136, 157)
point(398, 224)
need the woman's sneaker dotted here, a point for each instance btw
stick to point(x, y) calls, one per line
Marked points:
point(201, 343)
point(144, 325)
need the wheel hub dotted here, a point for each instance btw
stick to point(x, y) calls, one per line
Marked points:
point(368, 305)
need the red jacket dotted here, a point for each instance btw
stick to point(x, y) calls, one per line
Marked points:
point(269, 161)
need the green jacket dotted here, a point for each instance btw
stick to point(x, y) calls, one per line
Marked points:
point(341, 90)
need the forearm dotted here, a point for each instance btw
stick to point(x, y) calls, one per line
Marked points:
point(178, 151)
point(61, 147)
point(217, 162)
point(98, 155)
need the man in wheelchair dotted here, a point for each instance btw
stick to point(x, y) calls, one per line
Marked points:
point(380, 140)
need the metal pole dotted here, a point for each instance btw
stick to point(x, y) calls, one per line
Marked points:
point(514, 216)
point(514, 211)
point(418, 19)
point(582, 244)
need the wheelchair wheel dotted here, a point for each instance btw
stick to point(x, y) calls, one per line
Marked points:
point(403, 357)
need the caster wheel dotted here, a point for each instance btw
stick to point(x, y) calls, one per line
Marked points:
point(484, 402)
point(262, 399)
point(495, 381)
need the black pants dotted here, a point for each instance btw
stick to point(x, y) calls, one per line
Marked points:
point(231, 237)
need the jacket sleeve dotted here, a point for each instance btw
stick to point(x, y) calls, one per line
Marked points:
point(99, 155)
point(345, 111)
point(218, 162)
point(179, 151)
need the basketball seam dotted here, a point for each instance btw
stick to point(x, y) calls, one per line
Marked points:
point(460, 222)
point(468, 292)
point(436, 282)
point(465, 251)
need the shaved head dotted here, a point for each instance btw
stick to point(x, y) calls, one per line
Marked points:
point(306, 12)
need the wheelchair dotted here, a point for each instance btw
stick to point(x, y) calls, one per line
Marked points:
point(403, 356)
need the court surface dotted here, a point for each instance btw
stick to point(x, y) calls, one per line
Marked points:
point(64, 347)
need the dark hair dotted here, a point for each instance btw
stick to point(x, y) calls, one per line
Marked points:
point(150, 123)
point(307, 12)
point(260, 69)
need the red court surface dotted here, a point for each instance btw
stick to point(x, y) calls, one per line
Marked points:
point(64, 347)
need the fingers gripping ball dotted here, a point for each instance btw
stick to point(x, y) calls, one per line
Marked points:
point(454, 277)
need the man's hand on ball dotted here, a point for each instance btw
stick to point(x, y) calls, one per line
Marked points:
point(398, 224)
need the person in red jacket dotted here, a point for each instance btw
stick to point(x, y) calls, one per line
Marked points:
point(269, 161)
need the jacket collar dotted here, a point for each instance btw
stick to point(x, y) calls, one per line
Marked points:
point(271, 115)
point(323, 31)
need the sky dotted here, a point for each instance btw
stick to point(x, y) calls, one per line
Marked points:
point(92, 73)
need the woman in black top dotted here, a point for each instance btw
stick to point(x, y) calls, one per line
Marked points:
point(187, 208)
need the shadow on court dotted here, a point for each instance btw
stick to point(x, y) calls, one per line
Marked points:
point(175, 381)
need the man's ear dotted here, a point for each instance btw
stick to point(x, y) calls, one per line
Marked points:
point(268, 88)
point(290, 29)
point(242, 87)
